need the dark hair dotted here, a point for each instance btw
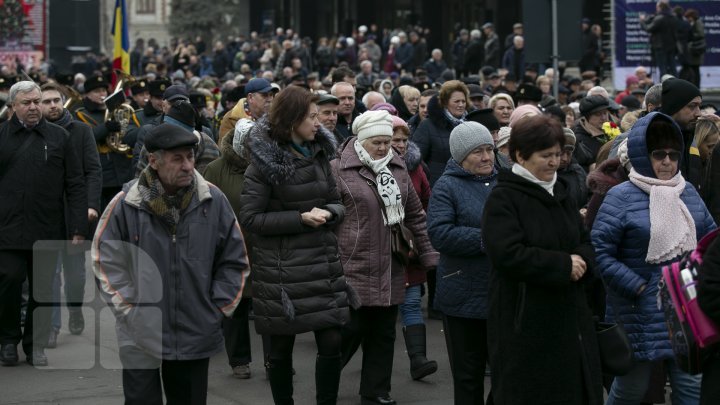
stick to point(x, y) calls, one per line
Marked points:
point(288, 109)
point(534, 133)
point(556, 112)
point(661, 134)
point(692, 13)
point(428, 93)
point(54, 87)
point(340, 73)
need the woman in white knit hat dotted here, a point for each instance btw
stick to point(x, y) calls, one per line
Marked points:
point(379, 197)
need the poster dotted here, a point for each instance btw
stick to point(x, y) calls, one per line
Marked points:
point(23, 27)
point(633, 43)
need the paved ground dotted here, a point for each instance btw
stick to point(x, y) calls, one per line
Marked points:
point(85, 370)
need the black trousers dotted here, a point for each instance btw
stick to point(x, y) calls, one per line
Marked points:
point(373, 328)
point(144, 377)
point(237, 335)
point(466, 341)
point(710, 388)
point(327, 341)
point(39, 268)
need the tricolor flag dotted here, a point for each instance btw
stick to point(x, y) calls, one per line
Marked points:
point(121, 50)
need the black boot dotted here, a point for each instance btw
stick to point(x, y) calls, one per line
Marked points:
point(327, 379)
point(281, 384)
point(420, 366)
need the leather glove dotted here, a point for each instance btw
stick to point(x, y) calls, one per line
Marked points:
point(113, 126)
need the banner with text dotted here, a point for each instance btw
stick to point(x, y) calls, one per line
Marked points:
point(632, 43)
point(23, 28)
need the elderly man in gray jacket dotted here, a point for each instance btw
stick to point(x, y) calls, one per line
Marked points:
point(170, 260)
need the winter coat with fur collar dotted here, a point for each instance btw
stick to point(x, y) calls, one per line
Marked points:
point(298, 282)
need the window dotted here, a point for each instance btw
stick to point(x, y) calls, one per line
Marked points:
point(145, 7)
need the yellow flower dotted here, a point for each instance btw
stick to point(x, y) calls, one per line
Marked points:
point(611, 130)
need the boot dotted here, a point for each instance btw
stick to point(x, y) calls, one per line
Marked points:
point(281, 384)
point(327, 379)
point(420, 366)
point(76, 323)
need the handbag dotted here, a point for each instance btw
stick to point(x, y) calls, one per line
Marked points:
point(402, 243)
point(616, 352)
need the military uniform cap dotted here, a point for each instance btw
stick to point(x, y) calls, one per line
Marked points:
point(95, 82)
point(158, 86)
point(140, 86)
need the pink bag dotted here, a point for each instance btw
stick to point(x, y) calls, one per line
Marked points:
point(691, 331)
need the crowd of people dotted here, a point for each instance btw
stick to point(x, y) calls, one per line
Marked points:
point(329, 189)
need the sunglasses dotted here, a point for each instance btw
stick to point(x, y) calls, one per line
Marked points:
point(661, 154)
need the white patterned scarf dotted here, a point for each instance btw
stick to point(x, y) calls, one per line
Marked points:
point(387, 187)
point(672, 228)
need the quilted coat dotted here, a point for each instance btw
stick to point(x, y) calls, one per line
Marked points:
point(364, 239)
point(297, 283)
point(621, 234)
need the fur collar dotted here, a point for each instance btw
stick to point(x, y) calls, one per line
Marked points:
point(276, 161)
point(412, 156)
point(606, 176)
point(436, 113)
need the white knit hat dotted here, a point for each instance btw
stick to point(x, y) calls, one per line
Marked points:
point(503, 136)
point(372, 123)
point(242, 129)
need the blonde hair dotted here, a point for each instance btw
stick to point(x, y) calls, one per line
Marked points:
point(706, 126)
point(501, 96)
point(408, 91)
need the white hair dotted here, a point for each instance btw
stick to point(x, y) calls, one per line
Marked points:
point(333, 89)
point(25, 86)
point(475, 34)
point(598, 91)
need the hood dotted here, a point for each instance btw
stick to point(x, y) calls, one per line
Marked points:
point(228, 153)
point(637, 143)
point(412, 157)
point(454, 169)
point(277, 162)
point(397, 100)
point(436, 113)
point(607, 175)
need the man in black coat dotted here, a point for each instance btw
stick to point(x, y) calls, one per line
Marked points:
point(81, 138)
point(39, 175)
point(662, 28)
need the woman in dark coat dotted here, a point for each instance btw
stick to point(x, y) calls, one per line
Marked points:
point(454, 226)
point(290, 206)
point(540, 329)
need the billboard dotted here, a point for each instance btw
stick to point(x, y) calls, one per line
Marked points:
point(23, 28)
point(632, 43)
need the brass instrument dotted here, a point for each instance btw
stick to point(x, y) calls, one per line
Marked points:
point(120, 112)
point(73, 98)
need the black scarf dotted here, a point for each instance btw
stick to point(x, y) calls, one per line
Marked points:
point(65, 120)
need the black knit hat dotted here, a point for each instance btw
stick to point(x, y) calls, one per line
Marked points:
point(184, 112)
point(485, 117)
point(168, 136)
point(676, 93)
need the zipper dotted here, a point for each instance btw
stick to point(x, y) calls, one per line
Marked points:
point(45, 153)
point(520, 308)
point(452, 274)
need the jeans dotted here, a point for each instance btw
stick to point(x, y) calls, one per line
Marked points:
point(410, 310)
point(630, 388)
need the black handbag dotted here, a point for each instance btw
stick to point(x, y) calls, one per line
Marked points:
point(616, 353)
point(402, 243)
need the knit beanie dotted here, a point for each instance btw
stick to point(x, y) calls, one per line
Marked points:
point(503, 136)
point(182, 113)
point(399, 122)
point(569, 135)
point(242, 130)
point(385, 107)
point(676, 93)
point(522, 112)
point(467, 136)
point(622, 154)
point(372, 123)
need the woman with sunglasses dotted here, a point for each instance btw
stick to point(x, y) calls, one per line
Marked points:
point(644, 223)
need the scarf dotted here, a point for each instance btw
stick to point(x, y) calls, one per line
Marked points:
point(154, 198)
point(65, 120)
point(525, 174)
point(672, 228)
point(599, 134)
point(454, 121)
point(387, 187)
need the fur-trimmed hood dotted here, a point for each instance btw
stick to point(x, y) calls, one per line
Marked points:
point(277, 161)
point(436, 113)
point(412, 156)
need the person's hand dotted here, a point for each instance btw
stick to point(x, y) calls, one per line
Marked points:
point(315, 217)
point(113, 126)
point(78, 239)
point(92, 215)
point(578, 267)
point(583, 212)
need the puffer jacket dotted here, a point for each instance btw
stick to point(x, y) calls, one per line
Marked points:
point(377, 277)
point(455, 229)
point(621, 234)
point(432, 136)
point(298, 283)
point(169, 292)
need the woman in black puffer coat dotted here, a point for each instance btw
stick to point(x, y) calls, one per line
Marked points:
point(289, 207)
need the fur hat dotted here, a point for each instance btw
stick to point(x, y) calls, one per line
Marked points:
point(372, 123)
point(467, 136)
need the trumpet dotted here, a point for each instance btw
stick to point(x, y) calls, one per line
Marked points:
point(119, 112)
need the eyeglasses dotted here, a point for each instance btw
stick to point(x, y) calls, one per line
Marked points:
point(661, 154)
